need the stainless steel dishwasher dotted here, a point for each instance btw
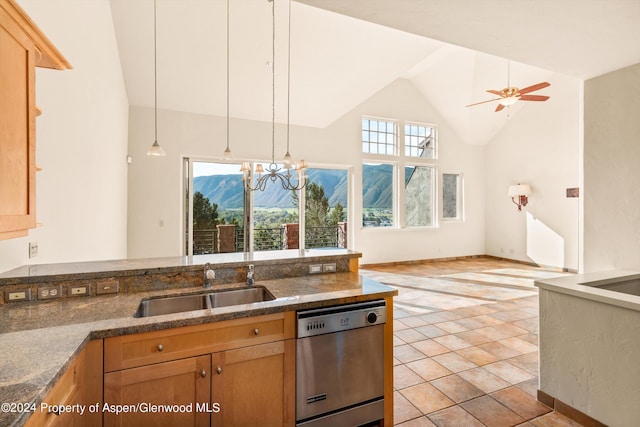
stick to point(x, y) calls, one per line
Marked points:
point(339, 365)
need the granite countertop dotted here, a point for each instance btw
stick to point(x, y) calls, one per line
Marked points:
point(38, 341)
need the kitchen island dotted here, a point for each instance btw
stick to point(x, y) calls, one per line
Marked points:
point(41, 340)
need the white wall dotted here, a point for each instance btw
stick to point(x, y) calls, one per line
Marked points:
point(612, 171)
point(539, 146)
point(155, 183)
point(589, 354)
point(81, 140)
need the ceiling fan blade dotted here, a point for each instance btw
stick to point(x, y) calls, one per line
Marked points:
point(483, 102)
point(534, 88)
point(499, 108)
point(533, 98)
point(496, 92)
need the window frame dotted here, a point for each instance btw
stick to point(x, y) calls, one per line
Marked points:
point(434, 135)
point(459, 197)
point(400, 160)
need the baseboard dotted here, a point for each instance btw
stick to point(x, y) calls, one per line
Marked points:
point(569, 412)
point(458, 258)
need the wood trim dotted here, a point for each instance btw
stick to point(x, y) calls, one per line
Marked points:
point(48, 55)
point(289, 383)
point(388, 364)
point(353, 265)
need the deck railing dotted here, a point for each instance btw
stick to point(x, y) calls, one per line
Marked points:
point(267, 239)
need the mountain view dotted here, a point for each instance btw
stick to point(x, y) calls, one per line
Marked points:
point(226, 190)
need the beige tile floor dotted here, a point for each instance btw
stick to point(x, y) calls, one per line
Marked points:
point(466, 343)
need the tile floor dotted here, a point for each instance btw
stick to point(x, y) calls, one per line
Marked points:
point(466, 343)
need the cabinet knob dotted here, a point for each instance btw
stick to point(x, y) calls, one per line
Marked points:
point(203, 374)
point(160, 347)
point(256, 331)
point(54, 411)
point(219, 370)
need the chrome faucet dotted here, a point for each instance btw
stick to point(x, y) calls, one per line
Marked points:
point(209, 275)
point(250, 279)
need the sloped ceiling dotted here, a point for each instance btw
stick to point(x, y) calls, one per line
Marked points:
point(344, 52)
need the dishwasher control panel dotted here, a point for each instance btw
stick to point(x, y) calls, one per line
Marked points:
point(340, 318)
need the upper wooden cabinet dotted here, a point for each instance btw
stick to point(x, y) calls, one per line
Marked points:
point(22, 48)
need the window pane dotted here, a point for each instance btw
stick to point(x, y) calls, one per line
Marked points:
point(419, 140)
point(218, 200)
point(377, 195)
point(419, 196)
point(380, 135)
point(272, 209)
point(326, 208)
point(451, 196)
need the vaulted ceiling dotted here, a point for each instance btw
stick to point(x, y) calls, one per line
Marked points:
point(344, 52)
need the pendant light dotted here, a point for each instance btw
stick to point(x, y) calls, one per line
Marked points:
point(275, 173)
point(227, 152)
point(155, 149)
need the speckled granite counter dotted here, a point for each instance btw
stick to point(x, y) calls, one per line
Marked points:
point(39, 340)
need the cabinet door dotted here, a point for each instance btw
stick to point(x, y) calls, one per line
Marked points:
point(254, 386)
point(17, 130)
point(182, 386)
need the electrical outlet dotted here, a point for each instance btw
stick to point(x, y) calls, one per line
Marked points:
point(33, 249)
point(77, 291)
point(19, 295)
point(329, 268)
point(49, 292)
point(315, 268)
point(109, 286)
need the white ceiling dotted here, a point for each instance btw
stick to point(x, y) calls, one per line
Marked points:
point(344, 52)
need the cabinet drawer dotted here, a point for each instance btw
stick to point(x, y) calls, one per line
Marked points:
point(129, 351)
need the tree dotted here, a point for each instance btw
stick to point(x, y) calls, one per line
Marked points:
point(316, 206)
point(336, 215)
point(205, 214)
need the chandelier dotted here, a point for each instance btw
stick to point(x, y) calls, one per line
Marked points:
point(274, 172)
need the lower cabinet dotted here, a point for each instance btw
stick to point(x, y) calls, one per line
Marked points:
point(237, 373)
point(254, 386)
point(173, 388)
point(81, 385)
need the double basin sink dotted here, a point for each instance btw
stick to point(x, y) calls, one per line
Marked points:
point(154, 306)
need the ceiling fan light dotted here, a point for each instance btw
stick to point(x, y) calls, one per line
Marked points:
point(509, 100)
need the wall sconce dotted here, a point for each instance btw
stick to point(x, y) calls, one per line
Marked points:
point(519, 193)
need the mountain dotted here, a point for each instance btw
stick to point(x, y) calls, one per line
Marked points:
point(226, 190)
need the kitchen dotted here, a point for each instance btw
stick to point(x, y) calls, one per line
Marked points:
point(81, 161)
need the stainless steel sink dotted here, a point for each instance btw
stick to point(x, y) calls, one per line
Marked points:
point(155, 306)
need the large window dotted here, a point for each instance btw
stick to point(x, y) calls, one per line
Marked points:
point(393, 159)
point(221, 217)
point(214, 208)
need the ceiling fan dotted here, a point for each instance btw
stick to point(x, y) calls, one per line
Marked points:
point(511, 94)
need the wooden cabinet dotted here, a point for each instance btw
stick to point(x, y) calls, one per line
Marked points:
point(22, 48)
point(181, 389)
point(236, 372)
point(255, 385)
point(79, 387)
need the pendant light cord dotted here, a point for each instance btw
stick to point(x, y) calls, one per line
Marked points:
point(273, 81)
point(227, 75)
point(155, 72)
point(288, 75)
